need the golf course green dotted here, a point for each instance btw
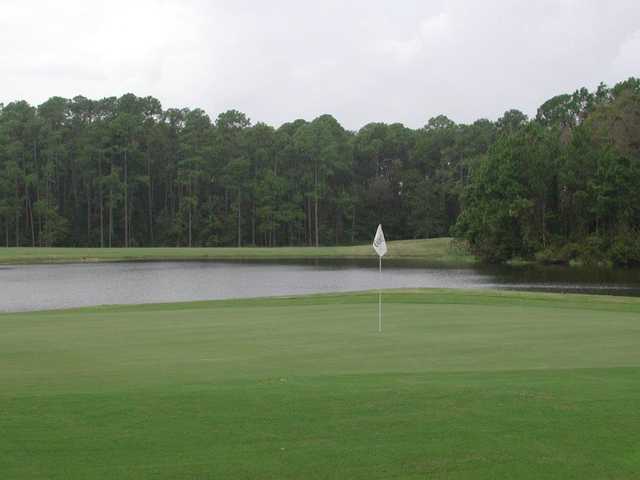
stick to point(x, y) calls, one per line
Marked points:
point(433, 250)
point(459, 385)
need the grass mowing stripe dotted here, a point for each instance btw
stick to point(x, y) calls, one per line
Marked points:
point(482, 425)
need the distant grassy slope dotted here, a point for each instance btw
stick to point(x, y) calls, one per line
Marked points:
point(460, 385)
point(437, 250)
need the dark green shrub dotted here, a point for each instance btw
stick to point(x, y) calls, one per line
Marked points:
point(625, 249)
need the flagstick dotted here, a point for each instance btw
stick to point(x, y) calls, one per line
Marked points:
point(380, 295)
point(380, 246)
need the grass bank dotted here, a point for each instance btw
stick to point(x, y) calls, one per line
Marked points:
point(460, 385)
point(436, 250)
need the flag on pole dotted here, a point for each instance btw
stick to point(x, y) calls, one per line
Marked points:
point(379, 244)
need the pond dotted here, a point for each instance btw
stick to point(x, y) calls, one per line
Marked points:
point(37, 287)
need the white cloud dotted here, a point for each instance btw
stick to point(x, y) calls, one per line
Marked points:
point(627, 62)
point(363, 60)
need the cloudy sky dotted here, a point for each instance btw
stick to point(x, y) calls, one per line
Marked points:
point(360, 60)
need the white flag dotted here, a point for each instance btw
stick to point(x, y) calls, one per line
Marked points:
point(379, 244)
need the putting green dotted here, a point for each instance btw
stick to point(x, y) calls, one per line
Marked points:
point(459, 385)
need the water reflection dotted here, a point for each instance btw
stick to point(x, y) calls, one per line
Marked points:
point(35, 287)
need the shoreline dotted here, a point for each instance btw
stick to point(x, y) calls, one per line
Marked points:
point(436, 251)
point(418, 296)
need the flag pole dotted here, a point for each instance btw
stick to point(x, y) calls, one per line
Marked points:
point(380, 246)
point(380, 294)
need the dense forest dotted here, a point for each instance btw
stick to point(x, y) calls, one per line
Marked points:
point(564, 186)
point(124, 172)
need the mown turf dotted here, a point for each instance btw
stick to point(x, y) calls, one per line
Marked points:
point(435, 250)
point(460, 385)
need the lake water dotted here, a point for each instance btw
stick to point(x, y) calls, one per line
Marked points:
point(37, 287)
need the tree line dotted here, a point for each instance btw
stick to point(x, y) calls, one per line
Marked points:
point(126, 172)
point(564, 186)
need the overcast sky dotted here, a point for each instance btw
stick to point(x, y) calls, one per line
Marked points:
point(362, 61)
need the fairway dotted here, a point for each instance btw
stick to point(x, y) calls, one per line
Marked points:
point(433, 250)
point(459, 385)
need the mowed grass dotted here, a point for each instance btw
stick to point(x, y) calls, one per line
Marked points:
point(435, 250)
point(459, 385)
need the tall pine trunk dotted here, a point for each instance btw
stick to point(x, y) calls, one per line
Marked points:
point(353, 225)
point(88, 215)
point(29, 213)
point(17, 214)
point(253, 223)
point(126, 200)
point(101, 202)
point(150, 200)
point(239, 218)
point(309, 230)
point(190, 209)
point(46, 217)
point(111, 207)
point(39, 220)
point(317, 194)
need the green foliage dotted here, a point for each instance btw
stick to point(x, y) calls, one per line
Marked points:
point(562, 188)
point(124, 172)
point(625, 249)
point(507, 200)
